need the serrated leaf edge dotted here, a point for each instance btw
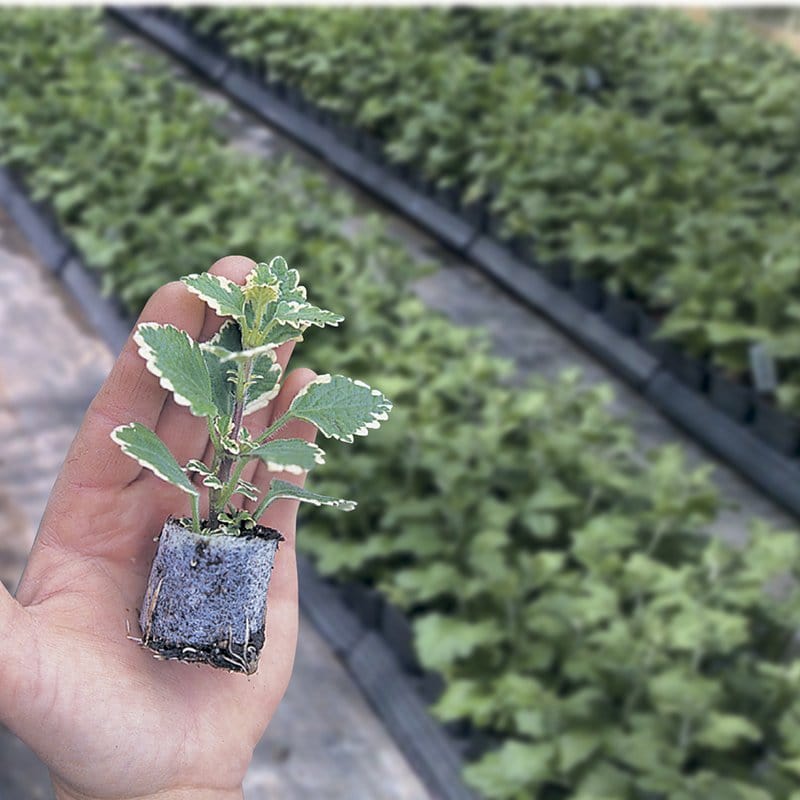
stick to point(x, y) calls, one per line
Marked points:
point(377, 416)
point(294, 469)
point(210, 301)
point(263, 400)
point(149, 356)
point(341, 504)
point(146, 464)
point(302, 324)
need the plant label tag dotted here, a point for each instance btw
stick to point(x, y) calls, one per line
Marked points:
point(762, 368)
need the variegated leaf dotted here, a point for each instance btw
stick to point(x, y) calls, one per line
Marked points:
point(279, 488)
point(220, 372)
point(222, 353)
point(238, 356)
point(289, 455)
point(264, 384)
point(197, 466)
point(141, 444)
point(220, 293)
point(177, 360)
point(340, 407)
point(246, 489)
point(302, 315)
point(212, 482)
point(288, 280)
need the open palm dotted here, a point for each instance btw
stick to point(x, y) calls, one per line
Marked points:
point(108, 719)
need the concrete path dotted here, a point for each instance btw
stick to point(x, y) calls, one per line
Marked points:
point(325, 741)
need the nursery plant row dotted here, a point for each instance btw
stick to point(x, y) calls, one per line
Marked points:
point(654, 155)
point(557, 578)
point(601, 321)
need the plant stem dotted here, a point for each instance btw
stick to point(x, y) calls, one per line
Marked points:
point(196, 513)
point(228, 489)
point(279, 423)
point(218, 497)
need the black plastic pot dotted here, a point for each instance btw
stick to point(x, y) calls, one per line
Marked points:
point(370, 146)
point(622, 314)
point(776, 427)
point(448, 197)
point(689, 370)
point(732, 397)
point(399, 635)
point(365, 602)
point(206, 597)
point(589, 292)
point(558, 272)
point(646, 327)
point(475, 214)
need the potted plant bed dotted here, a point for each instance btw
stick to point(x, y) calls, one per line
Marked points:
point(448, 196)
point(589, 292)
point(399, 635)
point(371, 146)
point(206, 595)
point(622, 313)
point(558, 272)
point(733, 397)
point(776, 427)
point(475, 213)
point(647, 328)
point(688, 369)
point(524, 248)
point(365, 602)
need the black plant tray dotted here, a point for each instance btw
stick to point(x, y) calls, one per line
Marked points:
point(587, 314)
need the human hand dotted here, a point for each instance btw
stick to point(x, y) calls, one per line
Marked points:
point(108, 719)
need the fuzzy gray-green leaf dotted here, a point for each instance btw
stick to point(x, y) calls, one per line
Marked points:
point(289, 455)
point(340, 407)
point(220, 293)
point(177, 360)
point(302, 315)
point(141, 444)
point(279, 488)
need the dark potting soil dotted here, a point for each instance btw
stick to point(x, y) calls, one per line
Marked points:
point(207, 594)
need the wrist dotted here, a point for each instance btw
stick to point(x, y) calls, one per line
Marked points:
point(188, 793)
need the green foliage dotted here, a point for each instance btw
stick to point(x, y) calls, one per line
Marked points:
point(592, 133)
point(561, 580)
point(225, 377)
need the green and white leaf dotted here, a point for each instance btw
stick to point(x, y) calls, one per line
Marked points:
point(289, 455)
point(288, 280)
point(222, 373)
point(302, 315)
point(246, 489)
point(212, 482)
point(340, 407)
point(226, 356)
point(264, 383)
point(178, 363)
point(222, 353)
point(218, 292)
point(279, 489)
point(141, 444)
point(197, 466)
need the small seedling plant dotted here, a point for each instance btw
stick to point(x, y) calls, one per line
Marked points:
point(226, 380)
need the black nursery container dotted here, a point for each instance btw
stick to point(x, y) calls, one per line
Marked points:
point(206, 597)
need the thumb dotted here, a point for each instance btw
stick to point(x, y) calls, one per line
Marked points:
point(18, 661)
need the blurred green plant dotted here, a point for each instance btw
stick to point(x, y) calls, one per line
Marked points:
point(658, 154)
point(562, 582)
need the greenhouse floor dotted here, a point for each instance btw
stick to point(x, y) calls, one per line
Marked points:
point(324, 741)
